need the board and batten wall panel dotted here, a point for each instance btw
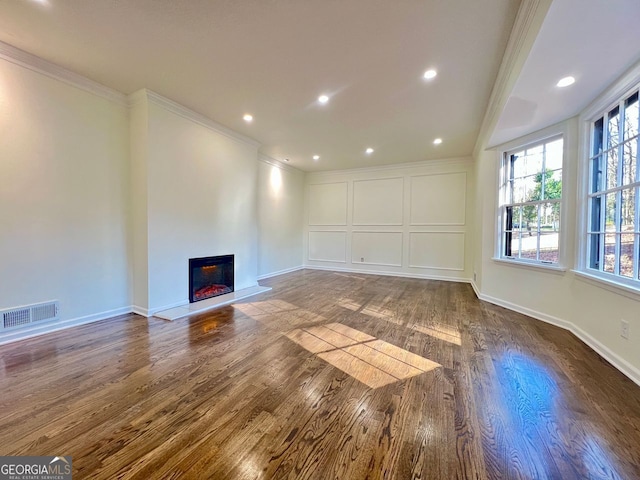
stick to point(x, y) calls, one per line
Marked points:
point(437, 250)
point(328, 204)
point(378, 202)
point(377, 248)
point(328, 246)
point(408, 220)
point(438, 199)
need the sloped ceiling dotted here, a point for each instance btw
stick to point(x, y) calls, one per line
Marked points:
point(594, 41)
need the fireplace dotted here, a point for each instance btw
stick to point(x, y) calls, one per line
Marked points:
point(210, 277)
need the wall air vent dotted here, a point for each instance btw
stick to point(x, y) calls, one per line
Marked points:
point(38, 312)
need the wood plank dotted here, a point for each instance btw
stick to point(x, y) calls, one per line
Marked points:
point(328, 375)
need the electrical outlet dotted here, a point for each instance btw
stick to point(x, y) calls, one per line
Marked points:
point(474, 276)
point(624, 329)
point(362, 259)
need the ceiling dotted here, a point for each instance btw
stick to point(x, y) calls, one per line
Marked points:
point(594, 41)
point(273, 58)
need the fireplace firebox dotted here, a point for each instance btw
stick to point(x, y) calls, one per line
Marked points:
point(210, 277)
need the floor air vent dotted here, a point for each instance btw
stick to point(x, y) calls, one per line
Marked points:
point(39, 312)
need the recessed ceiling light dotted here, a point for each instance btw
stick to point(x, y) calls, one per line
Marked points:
point(430, 74)
point(565, 82)
point(323, 98)
point(286, 159)
point(316, 157)
point(248, 118)
point(369, 151)
point(437, 141)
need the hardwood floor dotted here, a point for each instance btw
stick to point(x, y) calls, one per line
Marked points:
point(329, 375)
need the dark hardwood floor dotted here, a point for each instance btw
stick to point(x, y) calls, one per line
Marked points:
point(329, 375)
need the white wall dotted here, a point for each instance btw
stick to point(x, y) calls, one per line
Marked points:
point(410, 220)
point(105, 198)
point(64, 196)
point(585, 307)
point(139, 232)
point(280, 217)
point(201, 201)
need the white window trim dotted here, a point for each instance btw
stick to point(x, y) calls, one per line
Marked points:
point(626, 85)
point(561, 129)
point(516, 262)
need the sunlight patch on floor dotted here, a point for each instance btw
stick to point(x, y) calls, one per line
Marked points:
point(442, 332)
point(278, 315)
point(369, 360)
point(439, 331)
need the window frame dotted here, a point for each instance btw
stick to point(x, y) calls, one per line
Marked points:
point(615, 96)
point(554, 132)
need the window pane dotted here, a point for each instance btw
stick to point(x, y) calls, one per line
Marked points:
point(596, 174)
point(515, 244)
point(553, 158)
point(519, 165)
point(525, 164)
point(529, 232)
point(629, 161)
point(512, 218)
point(535, 185)
point(524, 189)
point(517, 218)
point(511, 228)
point(610, 213)
point(613, 126)
point(596, 205)
point(597, 137)
point(534, 159)
point(553, 185)
point(594, 251)
point(628, 210)
point(612, 169)
point(631, 116)
point(609, 252)
point(626, 254)
point(518, 191)
point(549, 231)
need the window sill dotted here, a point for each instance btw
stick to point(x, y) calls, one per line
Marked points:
point(610, 285)
point(551, 268)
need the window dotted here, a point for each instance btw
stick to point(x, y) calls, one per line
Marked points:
point(612, 223)
point(531, 196)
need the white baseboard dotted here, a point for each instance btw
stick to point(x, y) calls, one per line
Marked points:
point(280, 272)
point(475, 288)
point(14, 335)
point(388, 274)
point(140, 311)
point(609, 355)
point(605, 352)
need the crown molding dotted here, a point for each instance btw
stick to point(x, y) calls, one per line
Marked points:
point(44, 67)
point(189, 114)
point(454, 161)
point(139, 96)
point(276, 163)
point(525, 30)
